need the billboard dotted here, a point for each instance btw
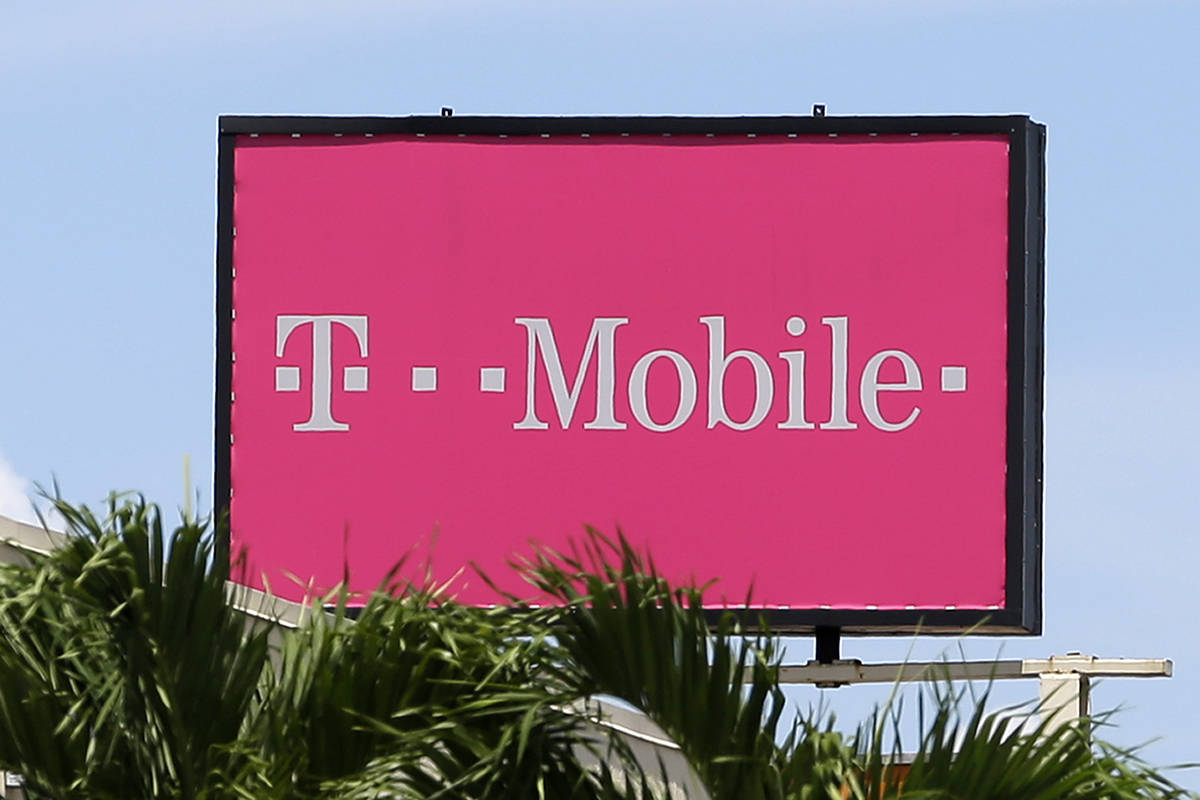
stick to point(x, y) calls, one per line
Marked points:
point(799, 354)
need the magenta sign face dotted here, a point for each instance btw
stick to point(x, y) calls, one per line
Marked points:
point(772, 355)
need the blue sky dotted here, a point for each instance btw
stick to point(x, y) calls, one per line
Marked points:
point(107, 205)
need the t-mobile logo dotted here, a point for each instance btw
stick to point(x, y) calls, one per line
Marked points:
point(784, 389)
point(287, 378)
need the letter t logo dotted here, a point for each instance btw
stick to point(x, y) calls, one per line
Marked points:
point(287, 379)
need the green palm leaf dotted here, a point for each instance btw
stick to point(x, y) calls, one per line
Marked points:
point(125, 671)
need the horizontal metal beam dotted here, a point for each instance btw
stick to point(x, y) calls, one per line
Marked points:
point(841, 673)
point(1101, 667)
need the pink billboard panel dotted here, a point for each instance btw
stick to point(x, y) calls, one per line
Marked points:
point(781, 360)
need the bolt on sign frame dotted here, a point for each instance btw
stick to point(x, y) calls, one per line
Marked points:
point(798, 355)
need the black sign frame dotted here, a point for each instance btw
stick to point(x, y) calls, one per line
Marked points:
point(1022, 610)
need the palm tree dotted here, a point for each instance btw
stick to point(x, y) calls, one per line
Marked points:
point(125, 671)
point(630, 635)
point(111, 684)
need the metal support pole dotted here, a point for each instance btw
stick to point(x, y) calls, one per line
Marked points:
point(1063, 698)
point(827, 644)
